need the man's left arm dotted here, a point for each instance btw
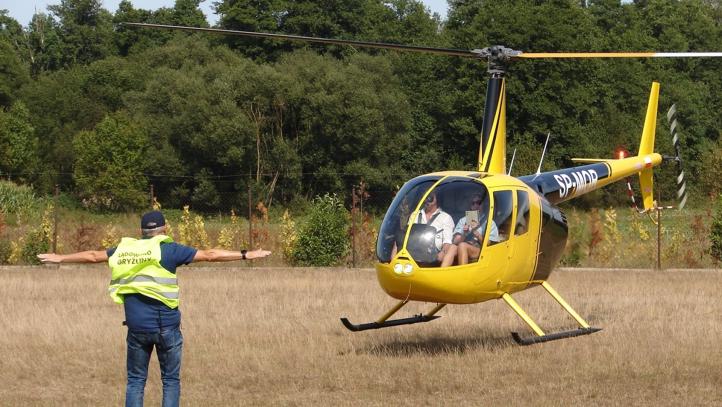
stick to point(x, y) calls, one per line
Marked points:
point(89, 256)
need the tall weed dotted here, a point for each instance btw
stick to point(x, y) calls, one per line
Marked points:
point(289, 237)
point(192, 230)
point(261, 231)
point(39, 238)
point(715, 233)
point(16, 199)
point(229, 236)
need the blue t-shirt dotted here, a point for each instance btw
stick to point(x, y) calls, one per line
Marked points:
point(145, 314)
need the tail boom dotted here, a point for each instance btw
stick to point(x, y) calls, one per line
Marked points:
point(563, 185)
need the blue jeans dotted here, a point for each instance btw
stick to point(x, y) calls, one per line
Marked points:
point(169, 346)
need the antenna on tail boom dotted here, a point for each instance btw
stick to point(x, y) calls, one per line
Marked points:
point(538, 170)
point(512, 162)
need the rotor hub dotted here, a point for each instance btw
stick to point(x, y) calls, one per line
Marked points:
point(498, 57)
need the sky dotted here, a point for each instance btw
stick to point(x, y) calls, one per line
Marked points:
point(23, 10)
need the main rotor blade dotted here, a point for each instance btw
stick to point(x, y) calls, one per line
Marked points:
point(539, 55)
point(412, 48)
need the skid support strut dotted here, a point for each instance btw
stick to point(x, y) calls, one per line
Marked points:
point(383, 322)
point(584, 329)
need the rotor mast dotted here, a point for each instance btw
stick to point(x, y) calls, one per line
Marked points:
point(492, 149)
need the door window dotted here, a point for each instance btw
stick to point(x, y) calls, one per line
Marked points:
point(503, 208)
point(522, 212)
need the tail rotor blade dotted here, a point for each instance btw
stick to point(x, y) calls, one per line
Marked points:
point(681, 184)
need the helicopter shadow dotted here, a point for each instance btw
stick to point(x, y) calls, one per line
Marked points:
point(436, 344)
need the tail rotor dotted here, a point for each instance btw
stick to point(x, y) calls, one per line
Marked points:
point(681, 183)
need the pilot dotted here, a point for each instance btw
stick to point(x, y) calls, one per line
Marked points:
point(432, 214)
point(468, 235)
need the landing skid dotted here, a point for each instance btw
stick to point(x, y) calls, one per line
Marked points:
point(383, 322)
point(552, 337)
point(394, 322)
point(584, 329)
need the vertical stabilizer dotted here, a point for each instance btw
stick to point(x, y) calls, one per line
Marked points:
point(646, 147)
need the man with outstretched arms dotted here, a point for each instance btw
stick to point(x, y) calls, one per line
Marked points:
point(143, 280)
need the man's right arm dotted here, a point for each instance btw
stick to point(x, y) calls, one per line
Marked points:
point(90, 256)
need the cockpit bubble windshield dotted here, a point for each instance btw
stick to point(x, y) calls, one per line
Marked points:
point(454, 211)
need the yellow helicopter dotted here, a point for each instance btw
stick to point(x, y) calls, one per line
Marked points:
point(464, 237)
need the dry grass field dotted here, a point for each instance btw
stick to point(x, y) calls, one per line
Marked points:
point(272, 337)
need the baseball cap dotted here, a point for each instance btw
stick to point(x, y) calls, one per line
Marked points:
point(152, 220)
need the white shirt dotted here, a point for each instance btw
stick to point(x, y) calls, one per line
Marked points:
point(443, 223)
point(493, 234)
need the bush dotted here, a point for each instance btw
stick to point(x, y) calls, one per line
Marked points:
point(715, 233)
point(36, 242)
point(323, 240)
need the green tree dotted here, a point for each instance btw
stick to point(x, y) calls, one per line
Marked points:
point(205, 195)
point(130, 39)
point(187, 13)
point(323, 240)
point(110, 164)
point(18, 143)
point(13, 73)
point(257, 15)
point(350, 120)
point(85, 31)
point(192, 107)
point(127, 38)
point(67, 101)
point(348, 19)
point(13, 70)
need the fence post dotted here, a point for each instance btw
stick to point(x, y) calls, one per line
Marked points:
point(659, 238)
point(250, 219)
point(353, 226)
point(362, 195)
point(55, 218)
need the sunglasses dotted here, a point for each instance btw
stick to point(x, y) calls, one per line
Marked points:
point(476, 202)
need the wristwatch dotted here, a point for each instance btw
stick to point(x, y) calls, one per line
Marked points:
point(243, 254)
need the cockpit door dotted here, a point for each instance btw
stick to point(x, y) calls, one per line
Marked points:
point(510, 249)
point(523, 239)
point(497, 250)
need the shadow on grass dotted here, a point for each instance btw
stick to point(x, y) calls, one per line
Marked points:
point(436, 345)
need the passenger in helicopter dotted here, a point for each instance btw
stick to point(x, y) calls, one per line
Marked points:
point(432, 214)
point(468, 234)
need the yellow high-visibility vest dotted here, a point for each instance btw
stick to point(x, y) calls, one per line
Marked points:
point(136, 269)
